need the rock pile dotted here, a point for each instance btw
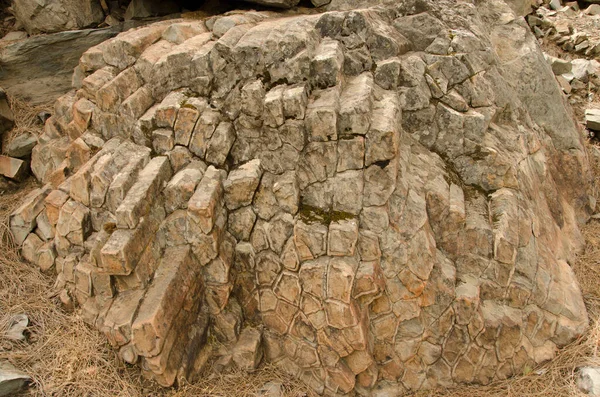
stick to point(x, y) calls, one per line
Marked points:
point(378, 200)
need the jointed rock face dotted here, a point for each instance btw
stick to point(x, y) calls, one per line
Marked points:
point(378, 200)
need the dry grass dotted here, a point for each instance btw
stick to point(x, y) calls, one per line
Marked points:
point(25, 119)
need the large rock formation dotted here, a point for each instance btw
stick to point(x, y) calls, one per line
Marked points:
point(381, 200)
point(44, 16)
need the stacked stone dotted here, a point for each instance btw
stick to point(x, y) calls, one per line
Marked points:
point(364, 188)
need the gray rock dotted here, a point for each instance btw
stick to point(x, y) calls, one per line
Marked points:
point(22, 145)
point(588, 380)
point(592, 119)
point(16, 328)
point(12, 380)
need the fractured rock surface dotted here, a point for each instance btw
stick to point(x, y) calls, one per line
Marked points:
point(387, 197)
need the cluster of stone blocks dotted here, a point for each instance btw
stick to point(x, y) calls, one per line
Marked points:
point(346, 194)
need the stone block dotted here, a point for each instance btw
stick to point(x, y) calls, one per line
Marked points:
point(356, 106)
point(13, 168)
point(248, 352)
point(241, 183)
point(126, 178)
point(142, 194)
point(123, 50)
point(44, 229)
point(46, 256)
point(119, 319)
point(205, 203)
point(137, 103)
point(23, 220)
point(326, 66)
point(113, 93)
point(162, 140)
point(122, 251)
point(321, 115)
point(30, 247)
point(220, 144)
point(163, 300)
point(351, 154)
point(240, 223)
point(74, 223)
point(181, 188)
point(310, 240)
point(187, 116)
point(295, 99)
point(383, 136)
point(203, 131)
point(273, 115)
point(166, 112)
point(253, 96)
point(21, 145)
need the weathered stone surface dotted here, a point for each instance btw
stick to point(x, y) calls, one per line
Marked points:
point(143, 193)
point(57, 15)
point(23, 219)
point(162, 301)
point(390, 206)
point(247, 353)
point(21, 146)
point(241, 183)
point(13, 168)
point(12, 381)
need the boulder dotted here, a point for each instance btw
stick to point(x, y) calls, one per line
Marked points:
point(417, 241)
point(51, 16)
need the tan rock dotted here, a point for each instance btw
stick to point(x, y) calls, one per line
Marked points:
point(204, 203)
point(163, 300)
point(142, 194)
point(13, 168)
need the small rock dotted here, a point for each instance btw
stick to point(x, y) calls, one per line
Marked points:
point(593, 9)
point(248, 352)
point(43, 116)
point(559, 66)
point(588, 380)
point(18, 325)
point(13, 36)
point(555, 5)
point(592, 119)
point(583, 68)
point(11, 379)
point(13, 168)
point(271, 389)
point(22, 145)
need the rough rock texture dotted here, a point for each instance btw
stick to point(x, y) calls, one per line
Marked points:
point(389, 197)
point(40, 68)
point(47, 16)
